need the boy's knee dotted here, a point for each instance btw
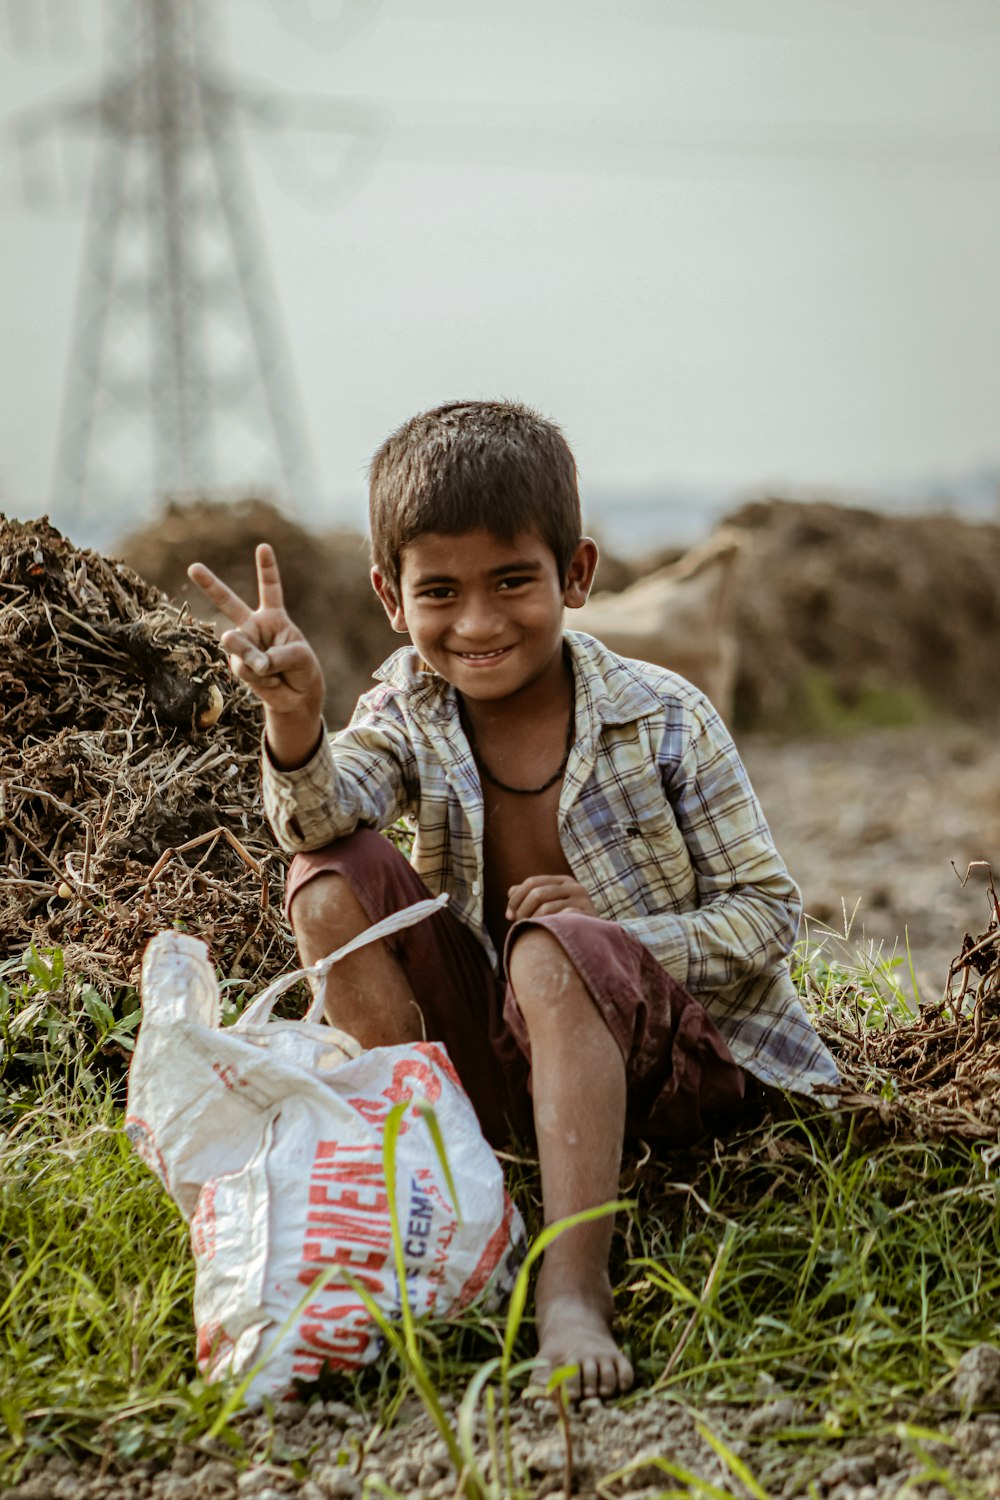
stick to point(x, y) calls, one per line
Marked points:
point(361, 860)
point(325, 900)
point(542, 975)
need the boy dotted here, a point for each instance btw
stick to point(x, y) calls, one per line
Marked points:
point(613, 955)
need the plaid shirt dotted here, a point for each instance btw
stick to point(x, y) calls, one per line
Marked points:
point(657, 820)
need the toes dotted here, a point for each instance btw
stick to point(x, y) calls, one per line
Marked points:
point(590, 1379)
point(608, 1379)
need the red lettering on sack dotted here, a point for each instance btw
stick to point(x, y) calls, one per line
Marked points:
point(332, 1149)
point(374, 1111)
point(442, 1248)
point(350, 1342)
point(438, 1055)
point(366, 1231)
point(413, 1067)
point(348, 1229)
point(331, 1229)
point(203, 1224)
point(228, 1076)
point(341, 1312)
point(350, 1171)
point(212, 1345)
point(374, 1199)
point(496, 1248)
point(364, 1269)
point(327, 1165)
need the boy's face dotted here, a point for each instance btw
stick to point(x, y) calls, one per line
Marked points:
point(486, 614)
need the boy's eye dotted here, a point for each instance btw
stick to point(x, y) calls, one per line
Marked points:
point(516, 581)
point(439, 591)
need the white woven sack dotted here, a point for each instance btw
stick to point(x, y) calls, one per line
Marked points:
point(269, 1135)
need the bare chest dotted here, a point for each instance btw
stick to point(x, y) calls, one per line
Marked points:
point(521, 838)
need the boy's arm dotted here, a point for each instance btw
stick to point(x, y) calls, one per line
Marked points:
point(748, 905)
point(364, 777)
point(268, 652)
point(308, 799)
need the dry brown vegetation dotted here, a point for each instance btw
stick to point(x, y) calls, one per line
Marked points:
point(122, 810)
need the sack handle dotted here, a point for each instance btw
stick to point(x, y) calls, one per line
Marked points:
point(260, 1009)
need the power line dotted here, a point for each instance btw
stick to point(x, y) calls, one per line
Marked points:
point(179, 379)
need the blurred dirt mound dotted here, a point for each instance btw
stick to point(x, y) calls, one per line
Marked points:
point(129, 772)
point(836, 606)
point(327, 588)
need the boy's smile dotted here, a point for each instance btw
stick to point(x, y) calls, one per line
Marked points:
point(485, 613)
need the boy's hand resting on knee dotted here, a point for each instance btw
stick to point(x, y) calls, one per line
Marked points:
point(544, 895)
point(272, 656)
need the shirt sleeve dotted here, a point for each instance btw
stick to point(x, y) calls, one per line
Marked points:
point(748, 907)
point(362, 777)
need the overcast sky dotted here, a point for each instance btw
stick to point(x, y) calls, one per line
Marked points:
point(725, 243)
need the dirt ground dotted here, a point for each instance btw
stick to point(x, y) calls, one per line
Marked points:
point(871, 824)
point(329, 1452)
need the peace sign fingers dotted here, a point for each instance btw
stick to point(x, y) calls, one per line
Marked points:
point(268, 579)
point(265, 649)
point(225, 599)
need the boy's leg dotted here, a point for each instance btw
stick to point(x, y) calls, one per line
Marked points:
point(432, 980)
point(612, 1039)
point(578, 1075)
point(367, 993)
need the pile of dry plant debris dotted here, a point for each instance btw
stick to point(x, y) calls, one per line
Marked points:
point(130, 801)
point(938, 1074)
point(129, 773)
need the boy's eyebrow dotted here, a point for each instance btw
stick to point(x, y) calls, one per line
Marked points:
point(527, 565)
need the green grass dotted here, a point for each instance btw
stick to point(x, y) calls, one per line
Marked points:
point(794, 1260)
point(818, 707)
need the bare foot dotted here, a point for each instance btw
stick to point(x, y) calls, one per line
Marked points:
point(575, 1329)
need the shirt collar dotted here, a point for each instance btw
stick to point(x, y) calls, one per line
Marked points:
point(610, 689)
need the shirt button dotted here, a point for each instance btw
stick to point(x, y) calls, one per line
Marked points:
point(476, 888)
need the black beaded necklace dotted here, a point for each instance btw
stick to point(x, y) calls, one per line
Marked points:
point(522, 791)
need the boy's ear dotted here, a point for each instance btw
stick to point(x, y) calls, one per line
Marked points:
point(390, 602)
point(580, 573)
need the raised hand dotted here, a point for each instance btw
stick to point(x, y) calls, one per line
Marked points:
point(544, 895)
point(265, 649)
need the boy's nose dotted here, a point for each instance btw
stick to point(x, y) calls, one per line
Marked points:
point(480, 621)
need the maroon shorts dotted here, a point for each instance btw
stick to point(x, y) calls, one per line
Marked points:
point(682, 1081)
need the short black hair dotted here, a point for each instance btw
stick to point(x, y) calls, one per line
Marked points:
point(471, 465)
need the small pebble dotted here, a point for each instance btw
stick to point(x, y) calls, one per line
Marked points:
point(850, 1470)
point(337, 1482)
point(339, 1411)
point(976, 1382)
point(772, 1417)
point(547, 1458)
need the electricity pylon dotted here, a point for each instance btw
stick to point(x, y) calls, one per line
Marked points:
point(179, 380)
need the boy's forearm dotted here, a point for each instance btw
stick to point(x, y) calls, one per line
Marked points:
point(729, 938)
point(292, 739)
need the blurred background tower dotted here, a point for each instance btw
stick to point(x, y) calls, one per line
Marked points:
point(178, 378)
